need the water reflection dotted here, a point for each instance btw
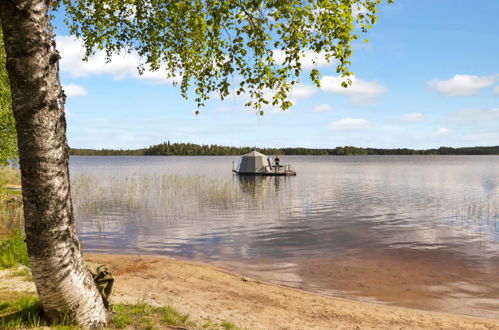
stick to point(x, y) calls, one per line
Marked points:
point(256, 184)
point(426, 224)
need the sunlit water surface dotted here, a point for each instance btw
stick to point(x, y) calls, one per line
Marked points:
point(415, 231)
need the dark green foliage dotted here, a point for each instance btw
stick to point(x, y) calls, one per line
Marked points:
point(191, 149)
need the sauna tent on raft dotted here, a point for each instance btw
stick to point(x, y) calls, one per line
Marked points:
point(256, 163)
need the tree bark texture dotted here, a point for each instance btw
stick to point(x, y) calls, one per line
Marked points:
point(65, 287)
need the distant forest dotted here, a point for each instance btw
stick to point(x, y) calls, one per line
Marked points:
point(191, 149)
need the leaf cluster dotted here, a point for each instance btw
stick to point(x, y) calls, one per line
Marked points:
point(225, 46)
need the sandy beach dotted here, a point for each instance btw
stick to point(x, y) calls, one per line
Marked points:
point(204, 292)
point(208, 293)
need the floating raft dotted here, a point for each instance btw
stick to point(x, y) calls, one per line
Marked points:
point(276, 173)
point(256, 163)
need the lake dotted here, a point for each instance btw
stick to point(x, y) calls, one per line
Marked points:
point(413, 231)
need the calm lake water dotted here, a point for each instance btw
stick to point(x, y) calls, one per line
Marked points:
point(415, 231)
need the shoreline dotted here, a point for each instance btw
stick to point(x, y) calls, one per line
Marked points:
point(205, 291)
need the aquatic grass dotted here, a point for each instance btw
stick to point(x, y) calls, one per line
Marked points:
point(98, 197)
point(480, 218)
point(110, 203)
point(479, 213)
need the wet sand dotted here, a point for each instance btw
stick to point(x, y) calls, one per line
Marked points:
point(204, 291)
point(422, 279)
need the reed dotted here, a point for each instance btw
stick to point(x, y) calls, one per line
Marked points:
point(163, 195)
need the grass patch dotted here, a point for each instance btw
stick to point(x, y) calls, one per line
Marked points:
point(226, 325)
point(23, 312)
point(13, 251)
point(143, 316)
point(212, 325)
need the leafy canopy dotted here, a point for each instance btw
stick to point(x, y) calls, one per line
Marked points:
point(225, 45)
point(8, 137)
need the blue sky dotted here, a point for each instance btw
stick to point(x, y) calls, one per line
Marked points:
point(428, 77)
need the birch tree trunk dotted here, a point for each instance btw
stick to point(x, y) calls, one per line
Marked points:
point(65, 287)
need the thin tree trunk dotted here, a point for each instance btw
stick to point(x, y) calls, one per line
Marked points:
point(65, 287)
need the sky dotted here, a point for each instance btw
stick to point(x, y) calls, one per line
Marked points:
point(428, 77)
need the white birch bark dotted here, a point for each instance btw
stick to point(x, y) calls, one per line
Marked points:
point(65, 287)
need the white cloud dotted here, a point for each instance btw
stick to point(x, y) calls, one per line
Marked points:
point(412, 117)
point(474, 115)
point(350, 124)
point(307, 60)
point(483, 138)
point(222, 108)
point(323, 108)
point(302, 91)
point(73, 90)
point(120, 67)
point(462, 85)
point(496, 90)
point(442, 132)
point(361, 91)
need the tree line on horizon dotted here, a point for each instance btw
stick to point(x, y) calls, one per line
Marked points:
point(192, 149)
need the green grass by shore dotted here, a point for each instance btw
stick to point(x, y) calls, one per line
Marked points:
point(24, 311)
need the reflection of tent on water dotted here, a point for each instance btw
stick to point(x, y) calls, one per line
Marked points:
point(256, 163)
